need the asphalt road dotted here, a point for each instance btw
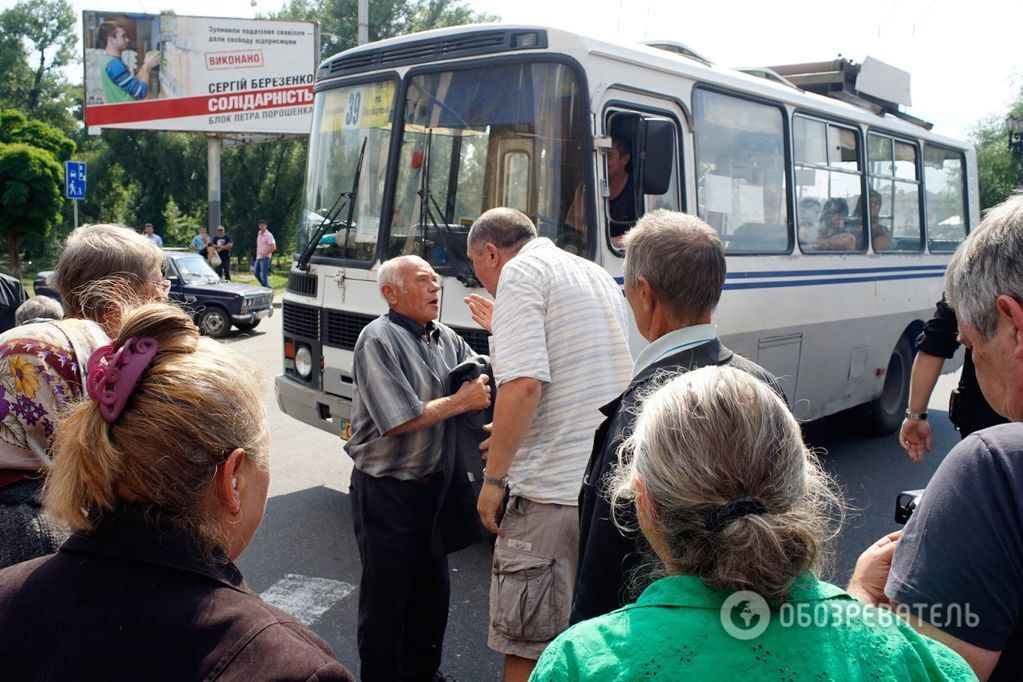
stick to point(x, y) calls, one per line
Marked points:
point(304, 557)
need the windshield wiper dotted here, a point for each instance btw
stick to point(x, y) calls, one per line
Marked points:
point(427, 203)
point(330, 218)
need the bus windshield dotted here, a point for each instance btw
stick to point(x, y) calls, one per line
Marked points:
point(345, 119)
point(506, 135)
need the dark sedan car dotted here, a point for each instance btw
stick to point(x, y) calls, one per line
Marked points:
point(196, 287)
point(216, 305)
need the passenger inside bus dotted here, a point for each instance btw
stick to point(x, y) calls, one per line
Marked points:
point(809, 213)
point(834, 232)
point(880, 235)
point(621, 202)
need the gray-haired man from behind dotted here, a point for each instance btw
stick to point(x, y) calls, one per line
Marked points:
point(674, 273)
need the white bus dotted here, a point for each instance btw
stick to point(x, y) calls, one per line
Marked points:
point(414, 137)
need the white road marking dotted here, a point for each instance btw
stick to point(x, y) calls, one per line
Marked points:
point(305, 597)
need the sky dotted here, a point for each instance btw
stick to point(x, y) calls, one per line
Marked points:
point(963, 57)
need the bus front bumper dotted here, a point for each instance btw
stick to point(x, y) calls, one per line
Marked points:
point(315, 408)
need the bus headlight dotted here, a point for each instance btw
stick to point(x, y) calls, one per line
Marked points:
point(303, 362)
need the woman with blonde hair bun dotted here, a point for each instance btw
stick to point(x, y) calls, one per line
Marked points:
point(161, 506)
point(738, 512)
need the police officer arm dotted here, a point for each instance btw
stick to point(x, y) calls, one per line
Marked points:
point(471, 395)
point(517, 401)
point(915, 435)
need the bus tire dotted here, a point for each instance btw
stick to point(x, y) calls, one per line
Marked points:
point(886, 412)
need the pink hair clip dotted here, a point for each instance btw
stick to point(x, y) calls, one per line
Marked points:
point(114, 374)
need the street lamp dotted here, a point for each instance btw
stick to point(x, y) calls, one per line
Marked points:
point(1015, 126)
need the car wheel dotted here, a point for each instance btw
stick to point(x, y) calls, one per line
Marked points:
point(248, 327)
point(887, 410)
point(214, 322)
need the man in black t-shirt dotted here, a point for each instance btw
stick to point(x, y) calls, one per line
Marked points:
point(222, 242)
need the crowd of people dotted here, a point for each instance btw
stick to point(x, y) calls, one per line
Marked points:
point(216, 249)
point(657, 517)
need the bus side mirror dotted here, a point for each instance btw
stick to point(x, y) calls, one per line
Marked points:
point(657, 155)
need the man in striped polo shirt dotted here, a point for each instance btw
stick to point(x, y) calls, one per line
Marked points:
point(559, 352)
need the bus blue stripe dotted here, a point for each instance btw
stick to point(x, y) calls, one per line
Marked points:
point(833, 280)
point(819, 277)
point(844, 271)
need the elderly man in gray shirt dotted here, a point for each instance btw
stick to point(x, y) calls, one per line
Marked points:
point(400, 371)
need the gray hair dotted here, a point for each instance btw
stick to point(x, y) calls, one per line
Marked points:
point(114, 255)
point(681, 257)
point(389, 273)
point(988, 264)
point(38, 308)
point(701, 441)
point(505, 228)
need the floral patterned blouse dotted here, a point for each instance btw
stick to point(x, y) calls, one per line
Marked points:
point(42, 373)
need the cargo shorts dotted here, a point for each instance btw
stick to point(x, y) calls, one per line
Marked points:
point(532, 576)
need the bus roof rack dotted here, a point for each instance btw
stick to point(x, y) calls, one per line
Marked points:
point(767, 74)
point(678, 48)
point(872, 85)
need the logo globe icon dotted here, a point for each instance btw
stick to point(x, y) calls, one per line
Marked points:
point(745, 615)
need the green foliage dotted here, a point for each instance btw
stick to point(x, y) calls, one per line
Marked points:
point(16, 128)
point(35, 81)
point(338, 19)
point(266, 183)
point(998, 172)
point(178, 229)
point(30, 200)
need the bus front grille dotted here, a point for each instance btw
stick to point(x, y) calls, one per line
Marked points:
point(301, 320)
point(343, 328)
point(302, 283)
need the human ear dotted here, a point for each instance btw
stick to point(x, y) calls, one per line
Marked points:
point(228, 481)
point(1009, 308)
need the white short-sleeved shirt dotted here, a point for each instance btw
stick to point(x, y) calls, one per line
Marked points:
point(560, 319)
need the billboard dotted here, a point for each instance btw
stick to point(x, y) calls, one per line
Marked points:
point(202, 74)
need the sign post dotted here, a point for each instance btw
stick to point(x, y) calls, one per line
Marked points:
point(74, 183)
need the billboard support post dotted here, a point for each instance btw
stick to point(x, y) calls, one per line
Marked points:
point(214, 145)
point(363, 27)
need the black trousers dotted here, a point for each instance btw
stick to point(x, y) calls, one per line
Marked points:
point(404, 588)
point(224, 269)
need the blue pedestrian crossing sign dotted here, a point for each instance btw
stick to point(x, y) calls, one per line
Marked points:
point(74, 179)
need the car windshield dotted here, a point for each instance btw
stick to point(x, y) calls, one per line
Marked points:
point(195, 270)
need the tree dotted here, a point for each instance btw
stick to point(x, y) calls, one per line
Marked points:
point(338, 19)
point(998, 171)
point(266, 182)
point(15, 127)
point(30, 200)
point(44, 30)
point(177, 227)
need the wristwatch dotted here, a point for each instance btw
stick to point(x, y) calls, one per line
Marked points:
point(501, 482)
point(916, 416)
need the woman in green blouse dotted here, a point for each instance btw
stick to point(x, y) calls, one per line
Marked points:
point(738, 512)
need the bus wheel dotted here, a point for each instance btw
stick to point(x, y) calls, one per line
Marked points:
point(888, 409)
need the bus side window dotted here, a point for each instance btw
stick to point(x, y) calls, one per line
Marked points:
point(740, 171)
